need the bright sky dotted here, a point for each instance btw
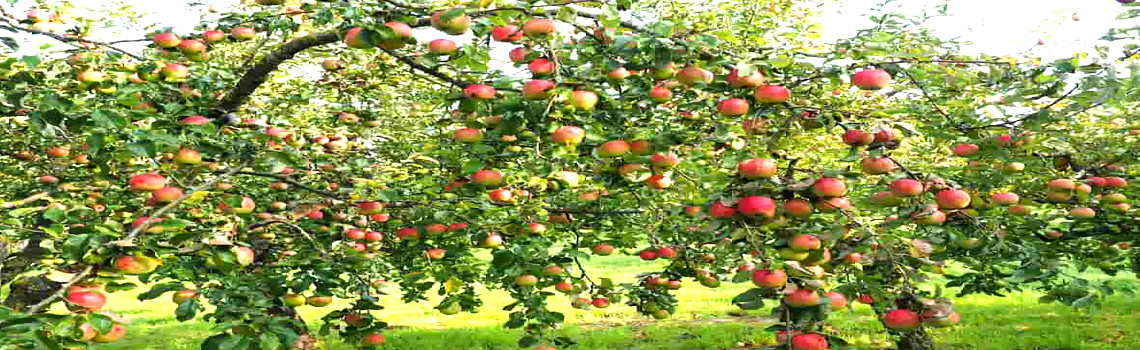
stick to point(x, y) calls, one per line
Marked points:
point(1000, 27)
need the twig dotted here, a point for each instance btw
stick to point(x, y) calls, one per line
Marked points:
point(903, 167)
point(295, 227)
point(59, 293)
point(69, 40)
point(1035, 114)
point(286, 179)
point(934, 104)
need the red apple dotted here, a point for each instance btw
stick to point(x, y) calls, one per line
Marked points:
point(538, 27)
point(732, 107)
point(487, 177)
point(752, 81)
point(537, 89)
point(952, 199)
point(569, 135)
point(721, 211)
point(659, 181)
point(1005, 198)
point(756, 168)
point(468, 135)
point(373, 339)
point(856, 137)
point(91, 301)
point(243, 33)
point(603, 249)
point(615, 148)
point(906, 188)
point(541, 67)
point(479, 92)
point(166, 194)
point(442, 47)
point(665, 160)
point(518, 54)
point(809, 341)
point(802, 298)
point(829, 187)
point(964, 149)
point(804, 242)
point(798, 208)
point(507, 33)
point(584, 100)
point(756, 206)
point(769, 278)
point(147, 182)
point(901, 320)
point(660, 94)
point(771, 94)
point(877, 166)
point(194, 120)
point(166, 40)
point(871, 79)
point(691, 75)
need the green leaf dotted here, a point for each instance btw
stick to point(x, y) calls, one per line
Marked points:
point(101, 323)
point(473, 165)
point(528, 341)
point(158, 290)
point(22, 212)
point(186, 310)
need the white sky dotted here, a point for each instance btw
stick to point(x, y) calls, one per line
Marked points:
point(999, 27)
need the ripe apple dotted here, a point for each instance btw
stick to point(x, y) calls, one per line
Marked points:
point(771, 94)
point(600, 302)
point(243, 33)
point(798, 208)
point(720, 211)
point(91, 301)
point(194, 120)
point(518, 54)
point(1005, 198)
point(901, 320)
point(804, 242)
point(318, 301)
point(501, 195)
point(1082, 213)
point(455, 26)
point(871, 79)
point(541, 67)
point(660, 94)
point(906, 187)
point(487, 177)
point(952, 199)
point(769, 278)
point(147, 182)
point(877, 166)
point(507, 33)
point(537, 89)
point(603, 249)
point(538, 27)
point(584, 100)
point(59, 152)
point(38, 16)
point(435, 229)
point(435, 253)
point(756, 168)
point(468, 135)
point(665, 160)
point(373, 339)
point(188, 156)
point(479, 92)
point(166, 194)
point(618, 74)
point(401, 30)
point(526, 280)
point(659, 181)
point(191, 47)
point(809, 341)
point(1115, 182)
point(691, 75)
point(615, 148)
point(732, 107)
point(802, 298)
point(756, 205)
point(175, 71)
point(442, 47)
point(569, 135)
point(91, 77)
point(166, 40)
point(829, 187)
point(838, 301)
point(356, 38)
point(964, 149)
point(856, 137)
point(647, 254)
point(753, 80)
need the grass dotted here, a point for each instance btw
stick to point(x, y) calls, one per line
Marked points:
point(705, 320)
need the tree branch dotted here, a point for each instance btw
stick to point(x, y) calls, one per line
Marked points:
point(69, 39)
point(286, 179)
point(257, 74)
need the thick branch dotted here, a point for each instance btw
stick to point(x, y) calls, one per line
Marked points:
point(257, 74)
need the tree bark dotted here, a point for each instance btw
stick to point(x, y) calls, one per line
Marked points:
point(260, 72)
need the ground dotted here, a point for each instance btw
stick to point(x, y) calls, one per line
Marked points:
point(706, 320)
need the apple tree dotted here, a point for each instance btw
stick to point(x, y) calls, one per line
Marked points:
point(291, 153)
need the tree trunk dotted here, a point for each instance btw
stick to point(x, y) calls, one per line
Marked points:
point(916, 340)
point(31, 289)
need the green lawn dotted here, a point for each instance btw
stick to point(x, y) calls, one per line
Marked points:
point(705, 320)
